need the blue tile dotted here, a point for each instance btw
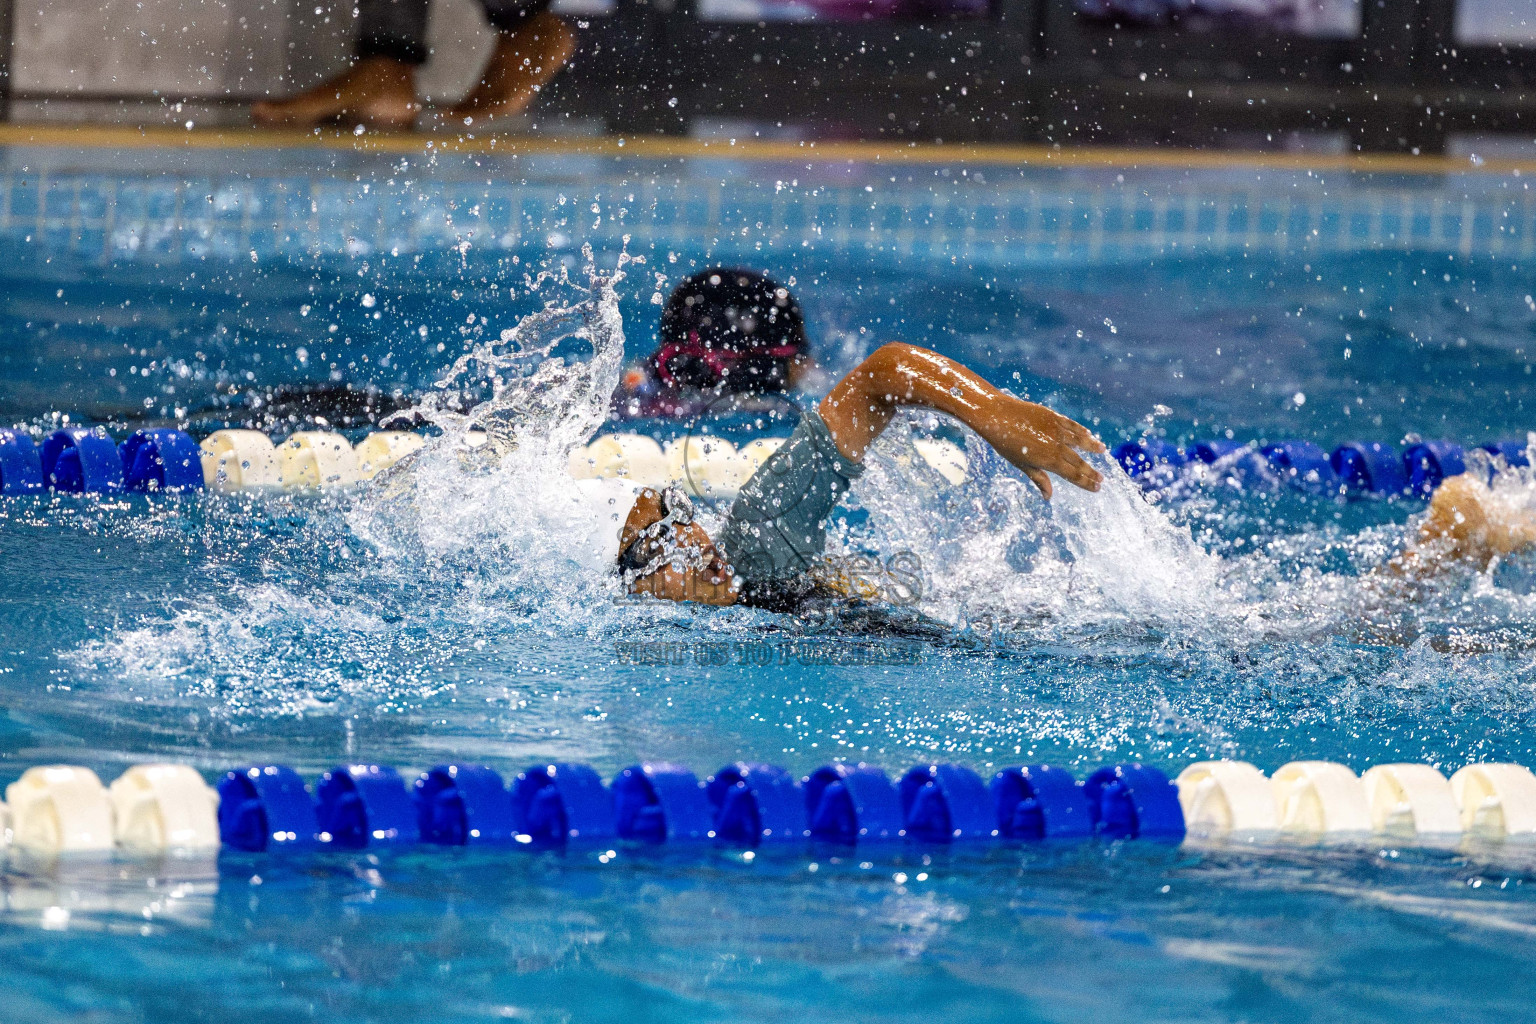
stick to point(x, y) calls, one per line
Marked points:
point(1449, 228)
point(24, 198)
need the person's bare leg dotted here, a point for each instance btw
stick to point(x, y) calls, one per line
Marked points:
point(379, 92)
point(522, 63)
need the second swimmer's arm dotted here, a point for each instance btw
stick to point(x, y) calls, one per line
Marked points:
point(1032, 437)
point(1466, 524)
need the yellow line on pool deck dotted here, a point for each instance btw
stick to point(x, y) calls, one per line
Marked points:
point(661, 147)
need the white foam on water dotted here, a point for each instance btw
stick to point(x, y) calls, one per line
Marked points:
point(507, 503)
point(994, 548)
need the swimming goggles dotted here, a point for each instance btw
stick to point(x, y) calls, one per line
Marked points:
point(676, 510)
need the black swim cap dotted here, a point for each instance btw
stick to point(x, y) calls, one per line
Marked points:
point(735, 330)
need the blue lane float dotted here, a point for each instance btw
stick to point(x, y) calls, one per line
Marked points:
point(850, 804)
point(1357, 469)
point(1139, 458)
point(1134, 801)
point(1369, 467)
point(1237, 460)
point(161, 460)
point(1428, 463)
point(463, 805)
point(554, 804)
point(1302, 465)
point(81, 461)
point(1212, 452)
point(21, 466)
point(660, 803)
point(944, 803)
point(1512, 452)
point(755, 804)
point(262, 807)
point(1035, 802)
point(365, 805)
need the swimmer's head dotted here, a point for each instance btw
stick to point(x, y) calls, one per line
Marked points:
point(734, 331)
point(663, 552)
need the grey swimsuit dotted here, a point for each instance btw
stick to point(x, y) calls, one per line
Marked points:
point(776, 527)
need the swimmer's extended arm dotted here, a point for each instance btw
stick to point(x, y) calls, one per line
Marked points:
point(1467, 524)
point(1032, 437)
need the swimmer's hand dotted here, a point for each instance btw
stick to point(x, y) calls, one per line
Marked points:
point(1032, 437)
point(1467, 523)
point(684, 563)
point(1039, 440)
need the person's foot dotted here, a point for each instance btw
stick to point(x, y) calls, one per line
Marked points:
point(378, 92)
point(522, 63)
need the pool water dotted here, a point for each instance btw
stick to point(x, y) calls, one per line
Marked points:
point(456, 611)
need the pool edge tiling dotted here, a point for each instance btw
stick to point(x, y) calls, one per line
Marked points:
point(988, 207)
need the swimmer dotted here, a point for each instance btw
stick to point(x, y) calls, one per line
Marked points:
point(769, 551)
point(771, 545)
point(731, 334)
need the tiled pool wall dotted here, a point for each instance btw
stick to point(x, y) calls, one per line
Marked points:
point(975, 216)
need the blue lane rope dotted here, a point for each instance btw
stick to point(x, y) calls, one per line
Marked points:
point(84, 460)
point(267, 807)
point(1355, 469)
point(21, 467)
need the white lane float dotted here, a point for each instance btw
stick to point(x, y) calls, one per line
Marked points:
point(629, 456)
point(1320, 797)
point(161, 807)
point(239, 460)
point(383, 448)
point(1409, 800)
point(60, 809)
point(944, 457)
point(1222, 797)
point(709, 467)
point(314, 460)
point(1496, 800)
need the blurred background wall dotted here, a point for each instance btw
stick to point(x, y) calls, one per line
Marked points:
point(212, 49)
point(1396, 75)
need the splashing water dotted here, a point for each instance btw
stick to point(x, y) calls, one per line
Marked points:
point(483, 533)
point(993, 549)
point(492, 493)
